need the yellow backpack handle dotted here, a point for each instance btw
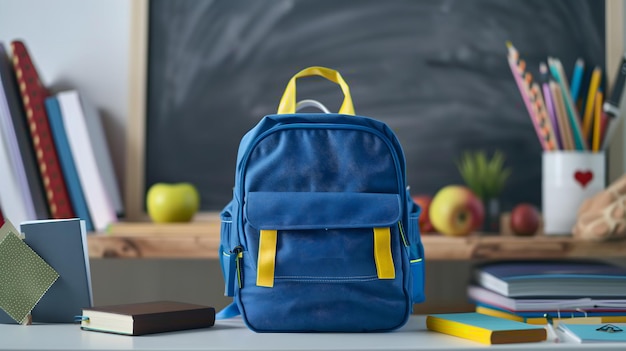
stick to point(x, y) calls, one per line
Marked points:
point(288, 101)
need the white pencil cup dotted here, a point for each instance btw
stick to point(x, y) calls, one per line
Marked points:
point(568, 178)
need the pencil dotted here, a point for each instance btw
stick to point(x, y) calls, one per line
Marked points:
point(577, 77)
point(513, 57)
point(597, 125)
point(596, 76)
point(542, 114)
point(539, 113)
point(547, 96)
point(564, 127)
point(556, 68)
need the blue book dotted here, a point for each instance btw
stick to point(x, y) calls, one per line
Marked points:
point(66, 159)
point(553, 313)
point(573, 279)
point(62, 243)
point(592, 333)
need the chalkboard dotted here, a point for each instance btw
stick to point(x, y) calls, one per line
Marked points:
point(435, 71)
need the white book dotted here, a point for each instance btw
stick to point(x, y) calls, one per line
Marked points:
point(13, 199)
point(102, 153)
point(91, 168)
point(15, 158)
point(491, 298)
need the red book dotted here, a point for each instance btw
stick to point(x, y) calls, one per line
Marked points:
point(33, 95)
point(1, 218)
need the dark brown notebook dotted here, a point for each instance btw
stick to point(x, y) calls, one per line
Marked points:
point(147, 317)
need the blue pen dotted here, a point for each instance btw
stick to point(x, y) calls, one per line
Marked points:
point(577, 78)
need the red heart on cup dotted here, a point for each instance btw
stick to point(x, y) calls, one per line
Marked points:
point(583, 177)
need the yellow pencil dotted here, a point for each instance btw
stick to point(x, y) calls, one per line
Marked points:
point(597, 122)
point(593, 89)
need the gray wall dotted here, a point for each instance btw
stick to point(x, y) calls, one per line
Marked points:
point(85, 45)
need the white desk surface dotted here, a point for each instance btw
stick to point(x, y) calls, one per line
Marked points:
point(233, 335)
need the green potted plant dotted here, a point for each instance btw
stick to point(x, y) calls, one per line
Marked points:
point(487, 178)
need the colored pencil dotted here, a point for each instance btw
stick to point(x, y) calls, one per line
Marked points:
point(542, 114)
point(533, 100)
point(564, 127)
point(513, 57)
point(556, 68)
point(577, 77)
point(547, 95)
point(596, 76)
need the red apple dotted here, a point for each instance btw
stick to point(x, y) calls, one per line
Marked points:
point(456, 211)
point(525, 219)
point(423, 201)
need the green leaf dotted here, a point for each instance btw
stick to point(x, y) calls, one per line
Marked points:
point(486, 177)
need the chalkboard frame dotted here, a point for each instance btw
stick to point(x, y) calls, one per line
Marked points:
point(134, 183)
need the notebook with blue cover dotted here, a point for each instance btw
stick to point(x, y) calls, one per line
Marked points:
point(482, 296)
point(552, 278)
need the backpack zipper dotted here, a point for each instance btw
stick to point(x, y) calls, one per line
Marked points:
point(238, 251)
point(405, 240)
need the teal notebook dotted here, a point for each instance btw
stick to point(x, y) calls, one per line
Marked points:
point(590, 333)
point(485, 322)
point(485, 329)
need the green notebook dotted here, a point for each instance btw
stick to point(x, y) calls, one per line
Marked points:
point(24, 276)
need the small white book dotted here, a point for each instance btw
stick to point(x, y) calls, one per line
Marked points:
point(92, 158)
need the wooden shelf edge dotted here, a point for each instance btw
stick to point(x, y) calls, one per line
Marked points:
point(201, 239)
point(169, 247)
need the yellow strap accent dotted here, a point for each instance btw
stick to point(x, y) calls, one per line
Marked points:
point(288, 101)
point(382, 253)
point(267, 258)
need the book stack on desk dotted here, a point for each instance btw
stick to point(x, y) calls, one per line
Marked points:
point(537, 291)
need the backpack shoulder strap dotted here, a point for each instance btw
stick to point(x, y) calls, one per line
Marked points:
point(229, 311)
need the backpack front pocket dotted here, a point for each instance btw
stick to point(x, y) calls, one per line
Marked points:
point(322, 236)
point(305, 248)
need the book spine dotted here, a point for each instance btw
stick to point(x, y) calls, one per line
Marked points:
point(66, 159)
point(33, 95)
point(461, 330)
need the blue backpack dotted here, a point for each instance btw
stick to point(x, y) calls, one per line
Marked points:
point(321, 234)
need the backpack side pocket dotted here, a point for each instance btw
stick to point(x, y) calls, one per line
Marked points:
point(226, 254)
point(416, 253)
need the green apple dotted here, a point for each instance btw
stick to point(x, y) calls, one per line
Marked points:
point(168, 203)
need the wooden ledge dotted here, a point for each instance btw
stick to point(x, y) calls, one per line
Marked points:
point(201, 239)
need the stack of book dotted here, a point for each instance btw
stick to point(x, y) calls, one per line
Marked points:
point(54, 158)
point(537, 291)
